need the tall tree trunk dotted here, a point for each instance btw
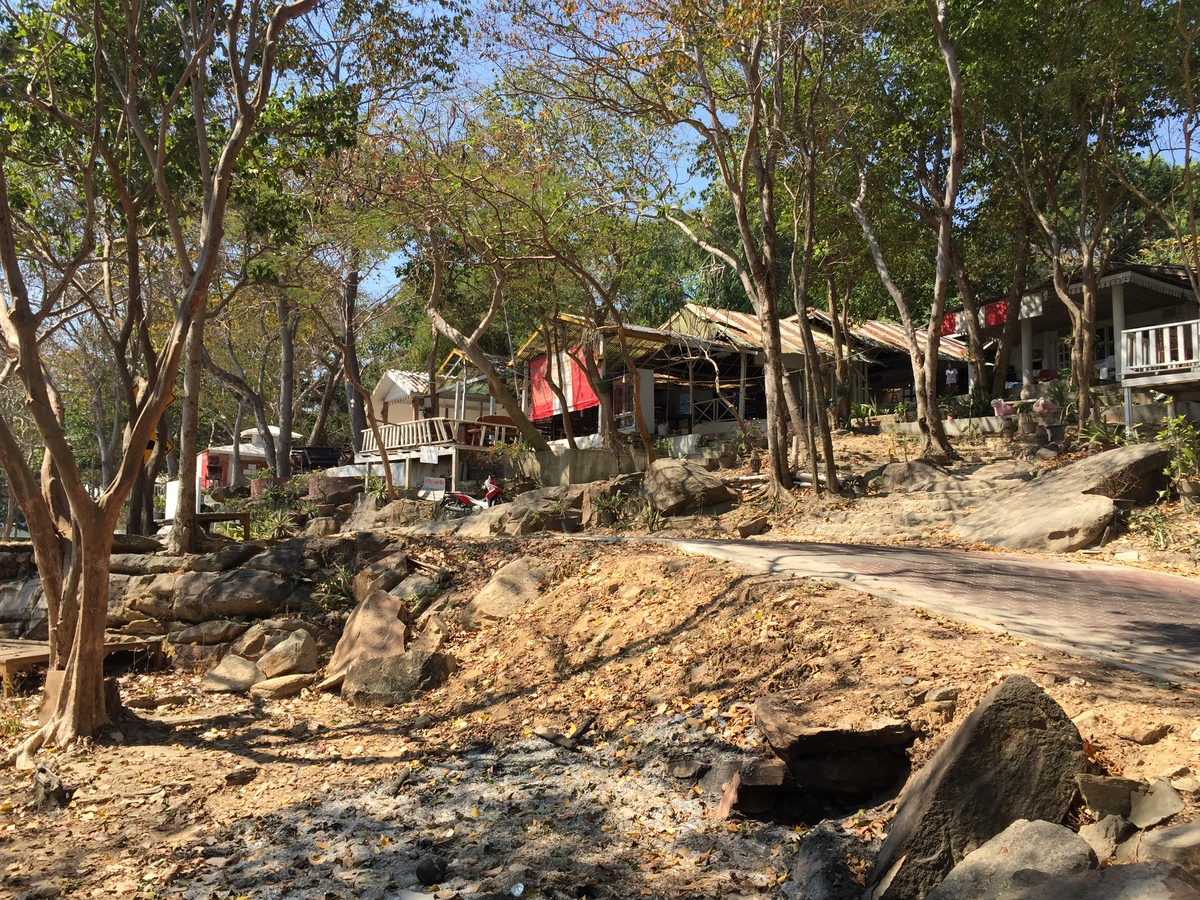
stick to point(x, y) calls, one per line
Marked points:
point(288, 322)
point(185, 532)
point(355, 404)
point(552, 360)
point(235, 457)
point(317, 437)
point(431, 364)
point(1012, 321)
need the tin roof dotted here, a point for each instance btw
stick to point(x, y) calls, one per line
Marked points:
point(891, 336)
point(742, 330)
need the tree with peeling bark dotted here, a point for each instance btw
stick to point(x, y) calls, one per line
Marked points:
point(721, 72)
point(94, 89)
point(930, 138)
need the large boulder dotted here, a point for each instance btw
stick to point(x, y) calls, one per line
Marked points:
point(508, 591)
point(200, 596)
point(396, 679)
point(1138, 881)
point(1014, 757)
point(294, 655)
point(1023, 854)
point(1067, 509)
point(673, 486)
point(376, 629)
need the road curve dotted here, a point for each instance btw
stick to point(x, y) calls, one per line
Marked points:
point(1142, 620)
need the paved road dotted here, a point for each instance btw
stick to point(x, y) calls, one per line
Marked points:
point(1143, 620)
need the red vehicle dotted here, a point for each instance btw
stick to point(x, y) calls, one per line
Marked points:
point(458, 503)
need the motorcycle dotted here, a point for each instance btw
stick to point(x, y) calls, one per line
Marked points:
point(459, 503)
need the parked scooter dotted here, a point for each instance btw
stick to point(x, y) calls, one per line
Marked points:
point(458, 503)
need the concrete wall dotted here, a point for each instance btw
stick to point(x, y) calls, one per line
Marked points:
point(562, 466)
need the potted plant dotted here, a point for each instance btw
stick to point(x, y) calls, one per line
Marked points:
point(1181, 439)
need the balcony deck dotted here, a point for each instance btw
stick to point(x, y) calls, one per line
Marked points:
point(1162, 356)
point(409, 437)
point(433, 442)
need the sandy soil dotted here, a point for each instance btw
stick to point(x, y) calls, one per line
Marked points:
point(199, 796)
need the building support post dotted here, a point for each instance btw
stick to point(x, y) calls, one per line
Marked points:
point(1118, 317)
point(691, 397)
point(1129, 414)
point(742, 389)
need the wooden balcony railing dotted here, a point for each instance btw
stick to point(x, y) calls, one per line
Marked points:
point(435, 432)
point(1160, 348)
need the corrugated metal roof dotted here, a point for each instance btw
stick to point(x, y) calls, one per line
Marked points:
point(891, 336)
point(743, 330)
point(398, 384)
point(642, 341)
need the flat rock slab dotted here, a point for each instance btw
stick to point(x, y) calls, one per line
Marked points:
point(218, 631)
point(1179, 844)
point(1065, 510)
point(1014, 757)
point(1155, 804)
point(1137, 881)
point(233, 675)
point(200, 596)
point(1105, 835)
point(1108, 795)
point(1022, 854)
point(281, 687)
point(844, 758)
point(510, 589)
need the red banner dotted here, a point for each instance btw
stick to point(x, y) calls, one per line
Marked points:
point(571, 379)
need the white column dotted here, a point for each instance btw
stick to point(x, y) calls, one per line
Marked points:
point(1026, 359)
point(970, 379)
point(1118, 317)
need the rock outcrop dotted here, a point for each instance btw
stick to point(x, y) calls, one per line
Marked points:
point(1067, 509)
point(672, 486)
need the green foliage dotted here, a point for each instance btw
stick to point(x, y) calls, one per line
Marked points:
point(1181, 439)
point(1094, 431)
point(864, 414)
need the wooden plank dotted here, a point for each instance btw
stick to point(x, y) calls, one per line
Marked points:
point(17, 656)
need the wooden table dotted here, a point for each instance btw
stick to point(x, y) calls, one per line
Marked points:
point(206, 519)
point(17, 656)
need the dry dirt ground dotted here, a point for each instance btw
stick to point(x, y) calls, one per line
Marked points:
point(198, 796)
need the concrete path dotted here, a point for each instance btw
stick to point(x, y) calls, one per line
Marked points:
point(1143, 620)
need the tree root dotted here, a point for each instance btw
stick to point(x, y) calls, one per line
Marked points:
point(21, 756)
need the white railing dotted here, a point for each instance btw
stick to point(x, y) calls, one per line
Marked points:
point(1161, 348)
point(432, 432)
point(714, 410)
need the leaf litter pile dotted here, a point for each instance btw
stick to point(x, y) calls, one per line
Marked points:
point(544, 767)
